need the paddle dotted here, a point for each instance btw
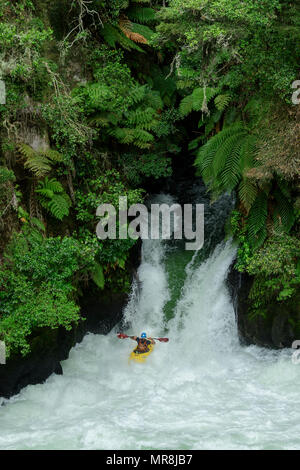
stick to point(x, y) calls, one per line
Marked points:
point(123, 336)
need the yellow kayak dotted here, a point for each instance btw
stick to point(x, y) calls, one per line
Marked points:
point(140, 357)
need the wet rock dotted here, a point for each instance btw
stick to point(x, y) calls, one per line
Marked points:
point(277, 329)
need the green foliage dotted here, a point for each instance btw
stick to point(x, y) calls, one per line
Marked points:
point(53, 198)
point(197, 101)
point(141, 14)
point(117, 99)
point(257, 219)
point(238, 45)
point(276, 268)
point(128, 110)
point(39, 162)
point(98, 276)
point(106, 189)
point(36, 287)
point(223, 160)
point(137, 167)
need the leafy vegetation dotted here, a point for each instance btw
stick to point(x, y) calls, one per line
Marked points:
point(100, 97)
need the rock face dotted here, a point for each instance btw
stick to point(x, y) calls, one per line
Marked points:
point(49, 347)
point(277, 330)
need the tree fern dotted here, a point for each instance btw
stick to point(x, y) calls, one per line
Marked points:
point(257, 220)
point(143, 31)
point(141, 14)
point(113, 36)
point(218, 161)
point(247, 192)
point(127, 29)
point(284, 214)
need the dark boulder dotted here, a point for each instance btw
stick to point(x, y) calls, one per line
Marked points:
point(277, 329)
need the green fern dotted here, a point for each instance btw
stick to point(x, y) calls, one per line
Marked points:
point(105, 119)
point(53, 198)
point(141, 117)
point(284, 214)
point(197, 100)
point(141, 14)
point(247, 192)
point(137, 137)
point(138, 93)
point(257, 220)
point(222, 101)
point(143, 30)
point(59, 206)
point(39, 162)
point(113, 36)
point(221, 161)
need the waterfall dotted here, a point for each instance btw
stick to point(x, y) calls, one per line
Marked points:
point(202, 390)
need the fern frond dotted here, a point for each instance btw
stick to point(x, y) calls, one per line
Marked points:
point(248, 152)
point(50, 185)
point(142, 136)
point(53, 198)
point(257, 220)
point(140, 117)
point(110, 34)
point(206, 154)
point(186, 105)
point(104, 119)
point(53, 155)
point(284, 214)
point(196, 101)
point(98, 93)
point(231, 174)
point(39, 161)
point(247, 192)
point(143, 30)
point(141, 14)
point(222, 101)
point(138, 93)
point(153, 99)
point(126, 27)
point(113, 35)
point(59, 206)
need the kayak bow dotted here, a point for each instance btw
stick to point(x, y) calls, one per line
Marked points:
point(140, 357)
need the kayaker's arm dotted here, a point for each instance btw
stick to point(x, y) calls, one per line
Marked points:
point(152, 340)
point(133, 337)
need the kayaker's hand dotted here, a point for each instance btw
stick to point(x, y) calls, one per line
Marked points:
point(133, 337)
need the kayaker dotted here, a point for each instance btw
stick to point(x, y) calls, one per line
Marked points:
point(143, 343)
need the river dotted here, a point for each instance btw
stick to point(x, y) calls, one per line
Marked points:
point(201, 390)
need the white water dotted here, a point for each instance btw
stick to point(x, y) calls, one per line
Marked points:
point(202, 390)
